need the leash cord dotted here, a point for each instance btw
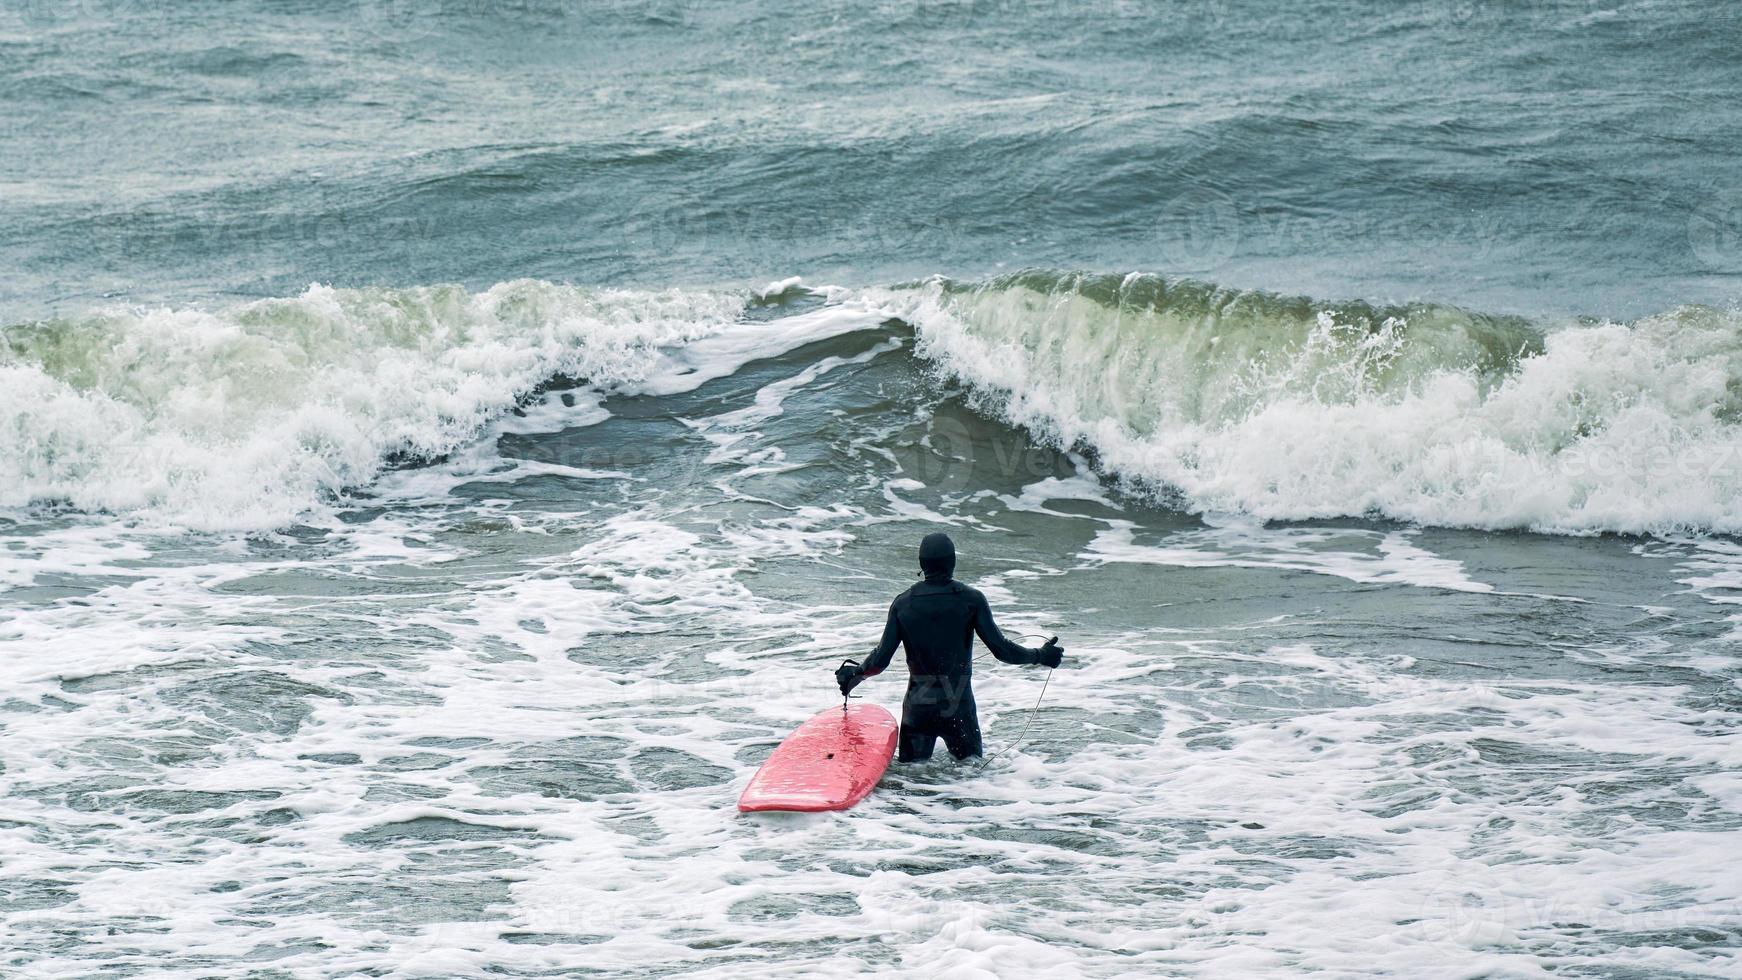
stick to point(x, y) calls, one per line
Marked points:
point(1024, 737)
point(1031, 711)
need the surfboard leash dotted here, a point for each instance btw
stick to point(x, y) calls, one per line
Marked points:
point(1031, 711)
point(849, 697)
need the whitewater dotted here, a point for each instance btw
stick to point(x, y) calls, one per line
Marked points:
point(427, 632)
point(1217, 400)
point(445, 446)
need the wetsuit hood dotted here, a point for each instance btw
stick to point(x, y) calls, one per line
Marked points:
point(937, 557)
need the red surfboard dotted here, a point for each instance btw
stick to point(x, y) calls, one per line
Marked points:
point(830, 763)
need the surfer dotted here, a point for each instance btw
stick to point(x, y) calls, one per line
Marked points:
point(936, 621)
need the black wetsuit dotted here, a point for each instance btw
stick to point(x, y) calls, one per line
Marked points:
point(936, 621)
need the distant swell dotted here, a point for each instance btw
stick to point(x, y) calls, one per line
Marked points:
point(1219, 400)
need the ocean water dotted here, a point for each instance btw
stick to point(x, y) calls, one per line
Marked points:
point(445, 445)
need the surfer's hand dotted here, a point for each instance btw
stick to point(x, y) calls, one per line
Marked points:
point(849, 675)
point(1051, 654)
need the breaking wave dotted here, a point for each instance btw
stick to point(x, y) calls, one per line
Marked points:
point(1287, 408)
point(1206, 398)
point(248, 417)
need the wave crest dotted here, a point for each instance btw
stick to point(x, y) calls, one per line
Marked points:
point(1288, 408)
point(1212, 399)
point(247, 417)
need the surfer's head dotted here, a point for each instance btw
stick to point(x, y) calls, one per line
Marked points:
point(937, 556)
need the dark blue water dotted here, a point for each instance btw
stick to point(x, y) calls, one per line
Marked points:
point(1553, 157)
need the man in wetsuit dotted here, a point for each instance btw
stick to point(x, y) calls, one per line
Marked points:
point(936, 621)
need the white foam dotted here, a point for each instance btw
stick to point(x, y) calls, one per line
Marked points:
point(247, 417)
point(1083, 486)
point(733, 433)
point(780, 287)
point(1191, 801)
point(1283, 849)
point(1612, 427)
point(720, 354)
point(555, 411)
point(1356, 554)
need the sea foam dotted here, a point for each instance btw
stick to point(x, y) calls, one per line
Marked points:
point(1287, 409)
point(250, 416)
point(1210, 399)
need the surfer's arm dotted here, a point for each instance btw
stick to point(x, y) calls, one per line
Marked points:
point(1001, 646)
point(880, 657)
